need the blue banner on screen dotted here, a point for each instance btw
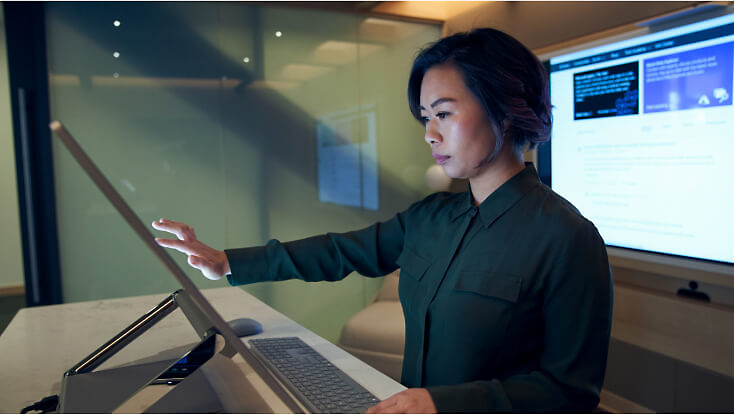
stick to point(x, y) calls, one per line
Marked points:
point(643, 139)
point(697, 78)
point(606, 92)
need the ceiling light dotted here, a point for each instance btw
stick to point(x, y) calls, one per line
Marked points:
point(246, 59)
point(278, 34)
point(116, 23)
point(116, 54)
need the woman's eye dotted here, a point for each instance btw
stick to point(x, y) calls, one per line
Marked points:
point(441, 115)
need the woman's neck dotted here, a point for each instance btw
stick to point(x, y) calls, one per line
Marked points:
point(507, 164)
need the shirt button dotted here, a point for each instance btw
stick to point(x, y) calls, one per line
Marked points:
point(473, 211)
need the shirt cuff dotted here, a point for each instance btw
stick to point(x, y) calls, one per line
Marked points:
point(247, 265)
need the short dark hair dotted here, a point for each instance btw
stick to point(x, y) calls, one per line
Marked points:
point(507, 79)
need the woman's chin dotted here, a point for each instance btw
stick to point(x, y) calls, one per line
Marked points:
point(452, 173)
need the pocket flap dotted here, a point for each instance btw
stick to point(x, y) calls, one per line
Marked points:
point(412, 265)
point(490, 284)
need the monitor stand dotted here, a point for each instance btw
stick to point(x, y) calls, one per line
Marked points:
point(219, 385)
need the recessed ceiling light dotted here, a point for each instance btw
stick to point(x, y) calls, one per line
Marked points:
point(278, 34)
point(116, 23)
point(246, 59)
point(116, 54)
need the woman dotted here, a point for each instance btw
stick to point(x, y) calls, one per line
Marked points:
point(506, 289)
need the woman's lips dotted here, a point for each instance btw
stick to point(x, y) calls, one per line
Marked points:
point(439, 158)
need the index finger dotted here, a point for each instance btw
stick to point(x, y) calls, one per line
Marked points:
point(382, 407)
point(170, 226)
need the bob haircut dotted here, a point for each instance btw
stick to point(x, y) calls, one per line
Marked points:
point(507, 79)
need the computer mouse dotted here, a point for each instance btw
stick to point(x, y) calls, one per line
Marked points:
point(245, 326)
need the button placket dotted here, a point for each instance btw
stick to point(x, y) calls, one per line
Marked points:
point(447, 260)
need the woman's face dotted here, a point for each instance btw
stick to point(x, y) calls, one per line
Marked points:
point(457, 127)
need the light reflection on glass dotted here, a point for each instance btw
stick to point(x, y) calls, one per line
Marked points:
point(342, 52)
point(303, 72)
point(260, 121)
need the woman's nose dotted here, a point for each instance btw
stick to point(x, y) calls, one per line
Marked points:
point(432, 134)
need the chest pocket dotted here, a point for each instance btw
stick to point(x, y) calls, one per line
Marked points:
point(412, 265)
point(490, 284)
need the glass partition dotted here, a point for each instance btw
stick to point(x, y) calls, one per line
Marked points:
point(248, 122)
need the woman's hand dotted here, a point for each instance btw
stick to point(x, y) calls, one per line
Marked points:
point(212, 263)
point(409, 401)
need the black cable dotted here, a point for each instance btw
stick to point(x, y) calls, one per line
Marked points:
point(47, 404)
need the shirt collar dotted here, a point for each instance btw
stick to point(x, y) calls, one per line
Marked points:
point(502, 199)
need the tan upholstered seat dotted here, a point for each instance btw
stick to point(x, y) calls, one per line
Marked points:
point(376, 334)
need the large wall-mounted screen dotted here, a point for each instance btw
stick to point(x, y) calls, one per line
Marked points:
point(643, 139)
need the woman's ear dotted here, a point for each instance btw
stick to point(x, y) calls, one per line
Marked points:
point(506, 127)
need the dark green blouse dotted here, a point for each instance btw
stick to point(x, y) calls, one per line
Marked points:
point(507, 306)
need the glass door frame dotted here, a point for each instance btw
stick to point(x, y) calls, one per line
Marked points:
point(28, 76)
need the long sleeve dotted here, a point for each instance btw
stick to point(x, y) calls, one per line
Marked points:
point(371, 251)
point(507, 305)
point(576, 329)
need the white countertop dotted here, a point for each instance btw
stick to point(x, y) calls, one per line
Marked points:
point(42, 343)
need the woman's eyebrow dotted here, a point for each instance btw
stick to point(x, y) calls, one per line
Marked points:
point(439, 101)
